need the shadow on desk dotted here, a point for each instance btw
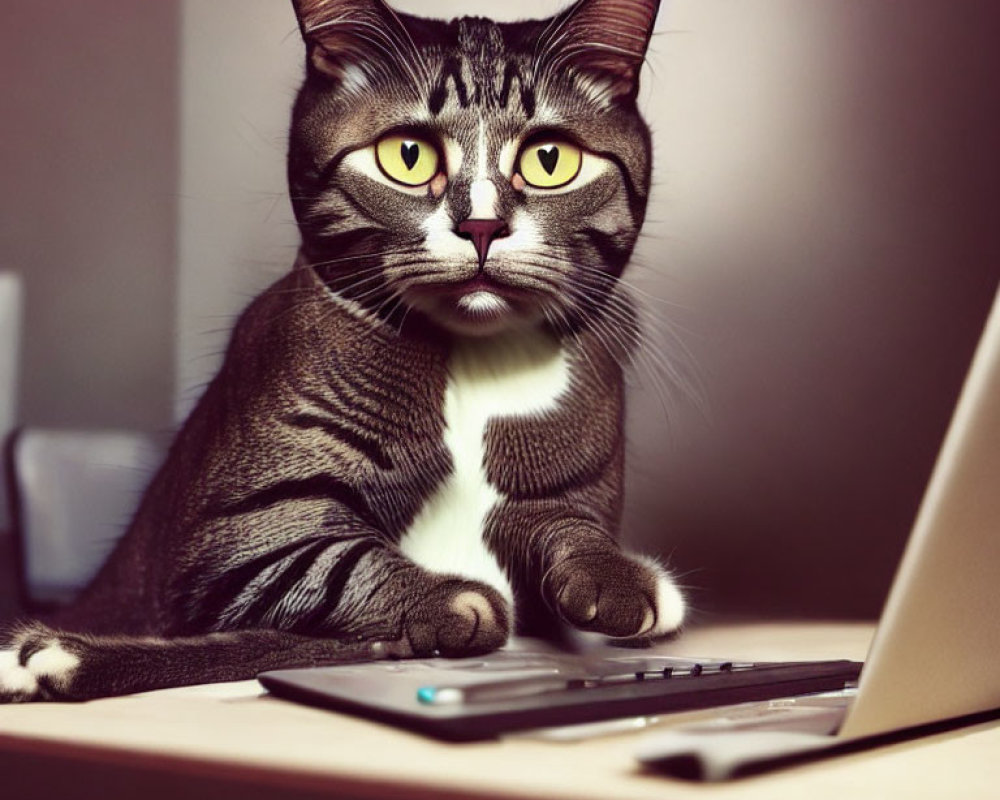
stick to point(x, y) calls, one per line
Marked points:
point(44, 771)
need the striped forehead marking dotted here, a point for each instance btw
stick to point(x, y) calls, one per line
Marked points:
point(481, 72)
point(484, 93)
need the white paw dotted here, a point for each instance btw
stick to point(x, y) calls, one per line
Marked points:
point(51, 665)
point(670, 605)
point(15, 681)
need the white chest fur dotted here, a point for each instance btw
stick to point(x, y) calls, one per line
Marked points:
point(514, 375)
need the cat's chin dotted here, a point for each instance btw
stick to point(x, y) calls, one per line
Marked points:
point(477, 312)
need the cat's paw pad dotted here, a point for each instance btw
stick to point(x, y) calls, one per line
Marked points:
point(617, 595)
point(36, 666)
point(458, 618)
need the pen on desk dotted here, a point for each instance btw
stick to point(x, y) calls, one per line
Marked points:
point(516, 687)
point(494, 690)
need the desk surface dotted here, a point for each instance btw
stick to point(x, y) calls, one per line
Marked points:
point(231, 740)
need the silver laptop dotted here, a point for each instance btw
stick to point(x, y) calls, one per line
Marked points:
point(935, 655)
point(939, 622)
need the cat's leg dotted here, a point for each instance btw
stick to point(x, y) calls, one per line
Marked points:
point(398, 610)
point(41, 663)
point(355, 587)
point(582, 574)
point(317, 601)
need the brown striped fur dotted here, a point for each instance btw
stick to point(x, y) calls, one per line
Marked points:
point(271, 537)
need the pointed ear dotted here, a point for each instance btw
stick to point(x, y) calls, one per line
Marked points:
point(340, 34)
point(607, 38)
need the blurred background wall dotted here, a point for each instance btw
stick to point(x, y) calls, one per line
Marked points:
point(827, 218)
point(820, 252)
point(88, 198)
point(88, 218)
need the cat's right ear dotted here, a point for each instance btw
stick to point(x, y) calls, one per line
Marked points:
point(605, 38)
point(346, 35)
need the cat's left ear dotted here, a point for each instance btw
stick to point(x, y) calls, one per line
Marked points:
point(345, 34)
point(607, 38)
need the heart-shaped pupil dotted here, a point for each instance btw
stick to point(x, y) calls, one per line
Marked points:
point(410, 152)
point(548, 157)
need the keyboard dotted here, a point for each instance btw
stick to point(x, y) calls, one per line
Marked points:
point(521, 688)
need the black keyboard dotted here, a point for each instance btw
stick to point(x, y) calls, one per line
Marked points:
point(512, 690)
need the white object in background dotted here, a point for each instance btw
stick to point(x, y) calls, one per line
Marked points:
point(78, 491)
point(10, 341)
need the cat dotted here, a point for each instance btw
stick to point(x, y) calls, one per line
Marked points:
point(414, 445)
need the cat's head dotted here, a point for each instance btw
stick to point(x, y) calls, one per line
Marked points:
point(487, 175)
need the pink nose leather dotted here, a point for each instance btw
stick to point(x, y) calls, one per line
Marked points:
point(482, 232)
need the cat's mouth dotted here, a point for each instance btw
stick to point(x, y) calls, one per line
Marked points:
point(478, 306)
point(486, 283)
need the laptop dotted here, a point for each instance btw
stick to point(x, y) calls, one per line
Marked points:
point(933, 658)
point(933, 662)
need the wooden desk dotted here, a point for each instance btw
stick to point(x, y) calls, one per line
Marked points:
point(231, 741)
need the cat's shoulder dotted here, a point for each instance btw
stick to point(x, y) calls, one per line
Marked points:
point(300, 301)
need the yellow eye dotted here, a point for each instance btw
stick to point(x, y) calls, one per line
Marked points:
point(407, 160)
point(549, 164)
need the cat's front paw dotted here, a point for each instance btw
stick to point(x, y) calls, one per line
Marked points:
point(36, 664)
point(615, 594)
point(457, 618)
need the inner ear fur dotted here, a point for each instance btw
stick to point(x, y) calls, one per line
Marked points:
point(342, 33)
point(607, 38)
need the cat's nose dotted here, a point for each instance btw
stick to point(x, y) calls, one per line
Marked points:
point(482, 232)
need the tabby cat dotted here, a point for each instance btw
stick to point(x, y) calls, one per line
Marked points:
point(414, 445)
